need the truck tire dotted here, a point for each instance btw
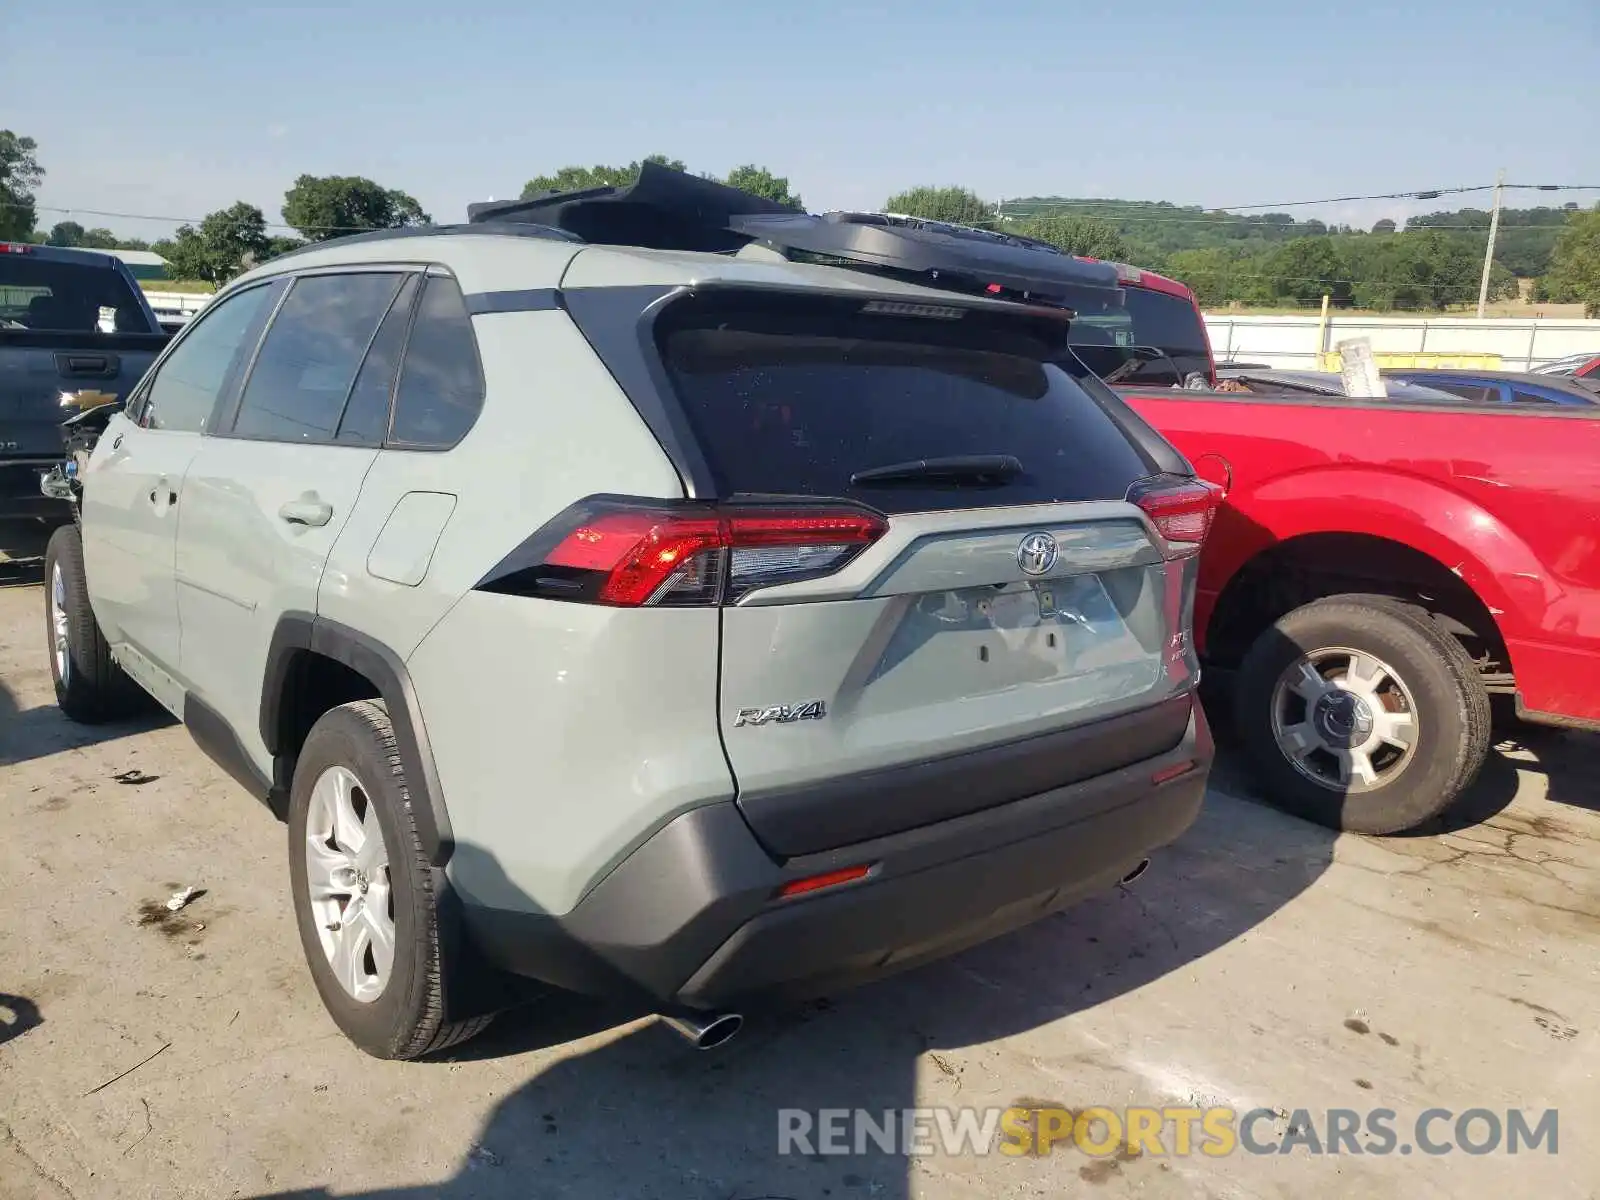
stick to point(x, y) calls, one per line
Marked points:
point(365, 896)
point(1361, 714)
point(90, 687)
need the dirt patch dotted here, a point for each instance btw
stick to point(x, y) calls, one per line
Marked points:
point(154, 914)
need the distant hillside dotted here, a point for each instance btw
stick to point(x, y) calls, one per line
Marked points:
point(1154, 230)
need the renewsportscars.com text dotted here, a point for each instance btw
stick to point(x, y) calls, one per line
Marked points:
point(1166, 1131)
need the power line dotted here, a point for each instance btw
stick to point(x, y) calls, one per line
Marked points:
point(123, 216)
point(1420, 194)
point(1214, 216)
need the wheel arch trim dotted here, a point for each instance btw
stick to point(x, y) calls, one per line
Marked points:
point(299, 633)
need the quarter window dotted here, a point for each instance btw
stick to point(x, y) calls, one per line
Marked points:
point(441, 381)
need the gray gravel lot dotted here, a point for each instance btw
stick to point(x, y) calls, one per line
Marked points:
point(1260, 963)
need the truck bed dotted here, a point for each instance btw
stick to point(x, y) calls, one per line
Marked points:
point(1507, 500)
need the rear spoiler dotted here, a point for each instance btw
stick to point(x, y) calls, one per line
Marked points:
point(671, 210)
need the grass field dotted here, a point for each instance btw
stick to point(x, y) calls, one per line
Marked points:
point(192, 287)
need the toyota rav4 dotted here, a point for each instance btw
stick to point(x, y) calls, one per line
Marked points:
point(692, 628)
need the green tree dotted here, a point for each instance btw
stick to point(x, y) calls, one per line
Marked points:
point(1088, 236)
point(576, 179)
point(20, 173)
point(65, 233)
point(953, 204)
point(330, 206)
point(1305, 270)
point(1384, 226)
point(227, 242)
point(280, 245)
point(1575, 263)
point(1216, 275)
point(759, 181)
point(102, 239)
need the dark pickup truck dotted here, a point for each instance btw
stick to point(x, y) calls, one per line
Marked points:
point(75, 333)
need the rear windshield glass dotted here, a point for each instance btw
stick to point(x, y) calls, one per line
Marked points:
point(66, 297)
point(793, 396)
point(1149, 338)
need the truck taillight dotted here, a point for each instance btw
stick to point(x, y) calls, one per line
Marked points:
point(635, 554)
point(1180, 508)
point(15, 248)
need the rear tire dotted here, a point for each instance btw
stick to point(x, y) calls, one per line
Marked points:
point(1361, 714)
point(90, 687)
point(392, 1005)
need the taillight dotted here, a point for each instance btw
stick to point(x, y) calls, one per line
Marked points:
point(1180, 508)
point(635, 554)
point(15, 248)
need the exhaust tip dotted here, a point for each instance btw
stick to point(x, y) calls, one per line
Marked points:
point(706, 1031)
point(1139, 869)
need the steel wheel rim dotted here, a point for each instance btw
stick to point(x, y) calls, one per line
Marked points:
point(348, 881)
point(60, 627)
point(1345, 719)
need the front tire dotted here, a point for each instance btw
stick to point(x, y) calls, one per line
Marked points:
point(90, 687)
point(365, 896)
point(1361, 714)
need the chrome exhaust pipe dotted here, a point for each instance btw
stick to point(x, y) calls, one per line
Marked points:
point(704, 1031)
point(1139, 868)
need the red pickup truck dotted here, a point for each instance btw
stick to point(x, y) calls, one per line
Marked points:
point(1378, 568)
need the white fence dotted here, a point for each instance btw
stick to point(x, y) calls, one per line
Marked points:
point(175, 308)
point(1292, 343)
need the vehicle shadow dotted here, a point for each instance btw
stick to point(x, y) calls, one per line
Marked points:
point(643, 1115)
point(18, 1014)
point(31, 733)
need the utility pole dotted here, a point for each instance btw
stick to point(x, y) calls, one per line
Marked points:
point(1488, 255)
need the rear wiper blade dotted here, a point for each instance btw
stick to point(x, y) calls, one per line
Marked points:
point(963, 468)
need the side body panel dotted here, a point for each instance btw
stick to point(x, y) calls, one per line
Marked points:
point(567, 733)
point(242, 561)
point(133, 502)
point(1508, 500)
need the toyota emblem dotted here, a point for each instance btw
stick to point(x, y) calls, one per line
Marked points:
point(1036, 554)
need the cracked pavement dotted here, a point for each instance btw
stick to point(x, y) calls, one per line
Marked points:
point(1261, 962)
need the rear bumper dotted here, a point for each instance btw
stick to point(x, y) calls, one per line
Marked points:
point(691, 919)
point(20, 495)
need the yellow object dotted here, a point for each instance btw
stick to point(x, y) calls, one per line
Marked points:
point(1333, 361)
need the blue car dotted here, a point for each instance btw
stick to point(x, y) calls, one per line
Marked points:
point(1497, 387)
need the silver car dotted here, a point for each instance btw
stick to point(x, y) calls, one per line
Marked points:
point(699, 629)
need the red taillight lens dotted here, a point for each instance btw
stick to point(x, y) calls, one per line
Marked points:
point(632, 554)
point(1181, 509)
point(15, 248)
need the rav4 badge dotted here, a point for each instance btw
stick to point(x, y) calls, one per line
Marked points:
point(782, 714)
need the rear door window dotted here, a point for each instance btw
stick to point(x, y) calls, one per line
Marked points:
point(308, 362)
point(366, 415)
point(792, 396)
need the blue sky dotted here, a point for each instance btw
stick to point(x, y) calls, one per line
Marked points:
point(179, 108)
